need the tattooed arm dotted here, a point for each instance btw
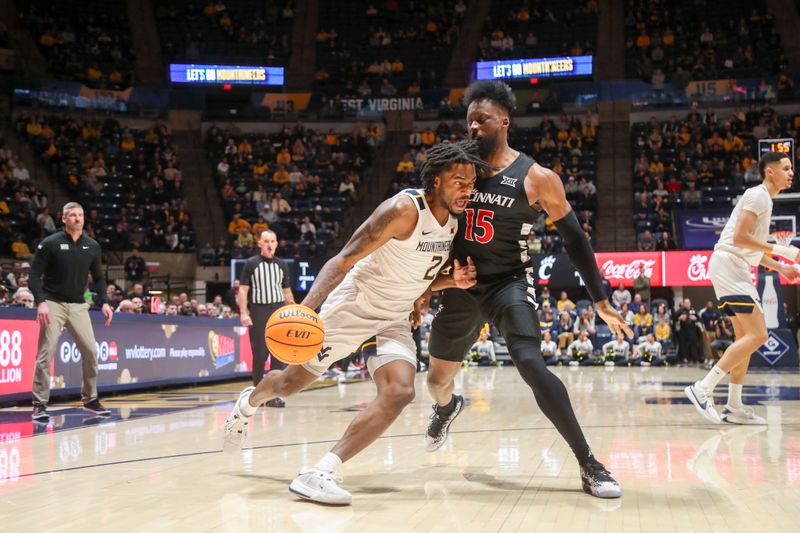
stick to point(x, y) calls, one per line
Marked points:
point(394, 218)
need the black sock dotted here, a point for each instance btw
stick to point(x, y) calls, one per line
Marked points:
point(447, 409)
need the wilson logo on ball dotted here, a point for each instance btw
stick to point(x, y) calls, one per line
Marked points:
point(294, 334)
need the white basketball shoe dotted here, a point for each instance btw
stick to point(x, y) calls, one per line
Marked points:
point(703, 401)
point(742, 415)
point(319, 486)
point(236, 424)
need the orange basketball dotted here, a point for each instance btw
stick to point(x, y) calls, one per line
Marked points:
point(294, 334)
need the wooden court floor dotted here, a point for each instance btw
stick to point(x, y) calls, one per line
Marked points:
point(157, 464)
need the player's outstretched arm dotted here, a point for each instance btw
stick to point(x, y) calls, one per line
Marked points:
point(544, 188)
point(394, 218)
point(743, 238)
point(789, 272)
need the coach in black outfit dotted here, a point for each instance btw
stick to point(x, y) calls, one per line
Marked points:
point(265, 286)
point(58, 280)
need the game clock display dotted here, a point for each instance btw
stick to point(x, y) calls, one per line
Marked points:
point(776, 145)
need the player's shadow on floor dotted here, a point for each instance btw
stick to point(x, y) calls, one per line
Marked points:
point(352, 481)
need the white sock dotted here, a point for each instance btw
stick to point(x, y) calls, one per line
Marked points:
point(330, 463)
point(713, 377)
point(735, 395)
point(245, 407)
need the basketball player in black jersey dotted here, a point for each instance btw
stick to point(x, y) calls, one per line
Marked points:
point(494, 233)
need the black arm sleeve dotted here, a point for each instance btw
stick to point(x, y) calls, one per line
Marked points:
point(40, 260)
point(99, 279)
point(581, 254)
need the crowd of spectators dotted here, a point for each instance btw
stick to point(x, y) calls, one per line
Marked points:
point(235, 28)
point(369, 49)
point(700, 160)
point(129, 181)
point(680, 41)
point(25, 216)
point(524, 29)
point(87, 41)
point(297, 182)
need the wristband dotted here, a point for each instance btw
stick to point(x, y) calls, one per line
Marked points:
point(787, 252)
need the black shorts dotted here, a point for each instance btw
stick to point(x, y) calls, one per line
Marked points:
point(509, 304)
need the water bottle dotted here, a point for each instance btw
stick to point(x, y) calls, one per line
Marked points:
point(769, 300)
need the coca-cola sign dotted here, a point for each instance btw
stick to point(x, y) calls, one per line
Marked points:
point(625, 267)
point(665, 269)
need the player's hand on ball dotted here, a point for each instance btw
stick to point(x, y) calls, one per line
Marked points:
point(464, 276)
point(613, 318)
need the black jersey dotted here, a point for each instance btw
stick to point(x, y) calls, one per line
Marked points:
point(495, 227)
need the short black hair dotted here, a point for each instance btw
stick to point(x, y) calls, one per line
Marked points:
point(497, 92)
point(768, 159)
point(441, 157)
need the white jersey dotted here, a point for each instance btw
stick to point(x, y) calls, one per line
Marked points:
point(653, 349)
point(622, 349)
point(549, 349)
point(757, 200)
point(581, 347)
point(392, 277)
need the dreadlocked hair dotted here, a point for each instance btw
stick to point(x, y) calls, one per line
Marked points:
point(494, 91)
point(442, 157)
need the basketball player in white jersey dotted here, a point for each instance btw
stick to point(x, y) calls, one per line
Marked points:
point(369, 290)
point(742, 244)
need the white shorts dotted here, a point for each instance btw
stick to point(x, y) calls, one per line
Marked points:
point(349, 324)
point(733, 286)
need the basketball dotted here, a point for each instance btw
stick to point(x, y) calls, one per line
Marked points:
point(294, 334)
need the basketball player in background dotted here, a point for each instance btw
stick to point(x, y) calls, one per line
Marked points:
point(498, 221)
point(742, 244)
point(369, 290)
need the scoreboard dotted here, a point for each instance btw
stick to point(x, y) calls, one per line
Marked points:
point(777, 145)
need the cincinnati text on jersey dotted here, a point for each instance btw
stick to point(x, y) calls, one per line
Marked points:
point(491, 198)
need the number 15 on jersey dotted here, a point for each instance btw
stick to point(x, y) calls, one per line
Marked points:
point(479, 225)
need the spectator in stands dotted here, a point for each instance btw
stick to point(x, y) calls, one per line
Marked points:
point(621, 296)
point(206, 256)
point(724, 337)
point(708, 318)
point(646, 242)
point(565, 329)
point(641, 286)
point(664, 242)
point(690, 341)
point(564, 303)
point(347, 187)
point(236, 224)
point(580, 350)
point(135, 266)
point(691, 196)
point(643, 322)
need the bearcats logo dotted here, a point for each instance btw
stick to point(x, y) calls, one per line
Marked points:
point(544, 269)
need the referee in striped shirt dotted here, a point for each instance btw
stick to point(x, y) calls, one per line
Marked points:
point(265, 286)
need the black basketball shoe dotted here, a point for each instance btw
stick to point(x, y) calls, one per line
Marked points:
point(436, 435)
point(40, 412)
point(97, 408)
point(597, 481)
